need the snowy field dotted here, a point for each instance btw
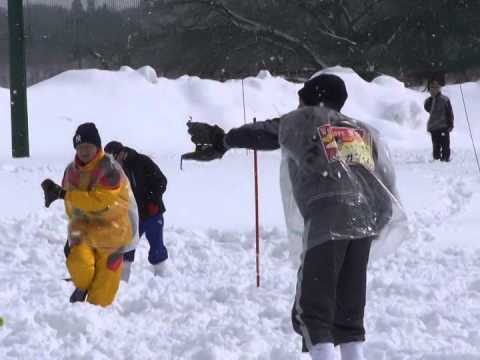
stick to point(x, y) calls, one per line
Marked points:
point(423, 301)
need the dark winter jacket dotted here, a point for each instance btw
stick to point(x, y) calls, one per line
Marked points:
point(336, 200)
point(441, 113)
point(262, 135)
point(146, 180)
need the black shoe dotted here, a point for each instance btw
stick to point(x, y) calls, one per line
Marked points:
point(78, 295)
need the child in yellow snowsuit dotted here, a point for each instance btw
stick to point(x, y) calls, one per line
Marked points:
point(102, 218)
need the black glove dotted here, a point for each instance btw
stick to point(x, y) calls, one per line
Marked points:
point(52, 192)
point(205, 134)
point(208, 140)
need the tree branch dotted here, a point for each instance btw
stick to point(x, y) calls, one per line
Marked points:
point(366, 11)
point(249, 25)
point(346, 14)
point(327, 30)
point(268, 31)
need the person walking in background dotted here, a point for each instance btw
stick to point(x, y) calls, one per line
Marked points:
point(103, 218)
point(148, 184)
point(440, 122)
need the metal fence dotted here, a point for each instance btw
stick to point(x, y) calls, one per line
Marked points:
point(66, 34)
point(111, 4)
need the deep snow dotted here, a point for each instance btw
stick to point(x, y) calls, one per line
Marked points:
point(423, 301)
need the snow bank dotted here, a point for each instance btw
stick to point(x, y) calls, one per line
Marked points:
point(136, 107)
point(149, 74)
point(126, 68)
point(264, 74)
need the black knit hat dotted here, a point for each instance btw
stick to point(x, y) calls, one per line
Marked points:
point(87, 133)
point(113, 147)
point(325, 88)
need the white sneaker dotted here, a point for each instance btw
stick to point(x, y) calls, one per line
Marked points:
point(323, 351)
point(160, 269)
point(126, 271)
point(352, 351)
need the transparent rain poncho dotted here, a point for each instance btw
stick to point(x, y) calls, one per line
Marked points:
point(93, 217)
point(337, 182)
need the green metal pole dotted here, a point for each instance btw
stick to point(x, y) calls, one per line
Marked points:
point(18, 81)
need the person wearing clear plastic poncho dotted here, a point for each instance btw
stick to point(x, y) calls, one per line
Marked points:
point(103, 218)
point(339, 197)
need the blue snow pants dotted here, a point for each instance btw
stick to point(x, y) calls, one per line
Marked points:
point(152, 227)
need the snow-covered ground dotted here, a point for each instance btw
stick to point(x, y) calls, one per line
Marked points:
point(423, 301)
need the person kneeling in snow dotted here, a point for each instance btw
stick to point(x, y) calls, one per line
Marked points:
point(343, 185)
point(103, 219)
point(148, 184)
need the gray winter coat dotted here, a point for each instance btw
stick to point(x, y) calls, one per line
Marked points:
point(336, 200)
point(441, 113)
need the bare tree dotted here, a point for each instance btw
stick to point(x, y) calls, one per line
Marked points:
point(371, 36)
point(228, 38)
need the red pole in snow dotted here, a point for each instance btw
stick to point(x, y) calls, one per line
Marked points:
point(257, 219)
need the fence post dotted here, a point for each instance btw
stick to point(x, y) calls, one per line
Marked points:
point(18, 82)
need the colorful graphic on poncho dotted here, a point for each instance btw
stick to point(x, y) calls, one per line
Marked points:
point(347, 144)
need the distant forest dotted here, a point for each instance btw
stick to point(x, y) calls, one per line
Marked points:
point(223, 39)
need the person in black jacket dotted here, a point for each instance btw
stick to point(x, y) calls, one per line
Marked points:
point(440, 121)
point(148, 184)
